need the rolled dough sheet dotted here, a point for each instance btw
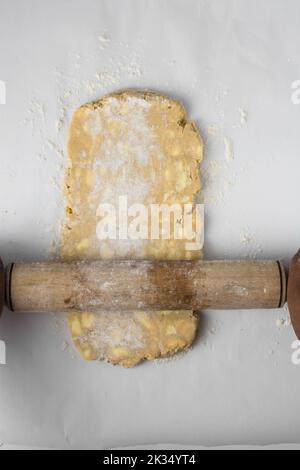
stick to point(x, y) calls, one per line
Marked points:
point(139, 145)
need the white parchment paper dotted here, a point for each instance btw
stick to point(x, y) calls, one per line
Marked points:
point(232, 63)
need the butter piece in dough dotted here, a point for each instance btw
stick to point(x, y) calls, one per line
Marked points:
point(139, 145)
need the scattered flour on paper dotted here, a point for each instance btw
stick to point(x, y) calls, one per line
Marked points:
point(284, 320)
point(218, 174)
point(228, 149)
point(104, 40)
point(243, 116)
point(249, 240)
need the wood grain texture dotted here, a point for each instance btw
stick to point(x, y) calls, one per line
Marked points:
point(146, 285)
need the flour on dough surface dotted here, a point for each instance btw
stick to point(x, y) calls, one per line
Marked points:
point(139, 145)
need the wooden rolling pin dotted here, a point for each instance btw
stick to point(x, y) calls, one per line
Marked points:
point(150, 285)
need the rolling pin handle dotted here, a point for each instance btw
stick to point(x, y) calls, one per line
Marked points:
point(293, 293)
point(5, 279)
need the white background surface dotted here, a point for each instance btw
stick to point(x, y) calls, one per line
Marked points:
point(237, 385)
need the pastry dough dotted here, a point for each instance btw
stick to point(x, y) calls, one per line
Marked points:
point(138, 145)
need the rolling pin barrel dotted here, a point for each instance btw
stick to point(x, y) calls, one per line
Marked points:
point(144, 285)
